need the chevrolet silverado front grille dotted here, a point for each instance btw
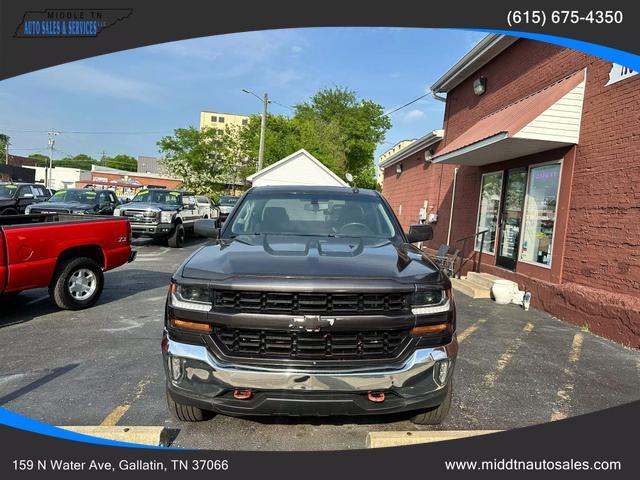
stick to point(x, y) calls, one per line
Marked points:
point(310, 345)
point(297, 303)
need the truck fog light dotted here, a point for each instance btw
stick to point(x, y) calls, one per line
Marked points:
point(175, 366)
point(441, 372)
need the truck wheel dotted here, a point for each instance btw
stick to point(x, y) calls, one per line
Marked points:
point(77, 284)
point(187, 413)
point(177, 237)
point(9, 211)
point(435, 416)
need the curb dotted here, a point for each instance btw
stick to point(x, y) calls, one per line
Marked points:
point(148, 435)
point(394, 439)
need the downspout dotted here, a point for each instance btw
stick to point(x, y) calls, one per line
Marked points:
point(453, 199)
point(438, 97)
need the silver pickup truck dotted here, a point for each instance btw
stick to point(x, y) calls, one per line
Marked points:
point(162, 214)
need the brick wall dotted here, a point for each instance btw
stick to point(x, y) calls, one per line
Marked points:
point(599, 282)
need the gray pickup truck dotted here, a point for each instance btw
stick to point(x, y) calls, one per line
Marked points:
point(162, 214)
point(310, 301)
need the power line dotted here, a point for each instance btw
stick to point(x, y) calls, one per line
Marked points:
point(405, 105)
point(282, 105)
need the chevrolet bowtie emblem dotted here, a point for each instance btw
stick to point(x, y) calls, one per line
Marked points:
point(311, 323)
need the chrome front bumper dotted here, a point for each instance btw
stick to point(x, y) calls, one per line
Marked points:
point(193, 371)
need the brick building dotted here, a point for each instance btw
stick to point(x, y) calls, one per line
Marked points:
point(541, 149)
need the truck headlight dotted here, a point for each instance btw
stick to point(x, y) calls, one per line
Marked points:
point(27, 210)
point(190, 297)
point(166, 217)
point(116, 212)
point(426, 302)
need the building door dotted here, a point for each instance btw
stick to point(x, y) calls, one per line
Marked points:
point(515, 183)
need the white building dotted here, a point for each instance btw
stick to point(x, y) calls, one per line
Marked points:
point(299, 168)
point(62, 177)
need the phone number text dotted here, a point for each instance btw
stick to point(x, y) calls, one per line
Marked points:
point(542, 17)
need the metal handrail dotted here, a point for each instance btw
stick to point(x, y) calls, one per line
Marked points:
point(463, 259)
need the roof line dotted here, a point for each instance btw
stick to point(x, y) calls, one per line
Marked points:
point(424, 141)
point(484, 51)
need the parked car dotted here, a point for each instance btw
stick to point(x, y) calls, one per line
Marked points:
point(162, 214)
point(65, 253)
point(16, 197)
point(225, 206)
point(206, 207)
point(310, 301)
point(80, 201)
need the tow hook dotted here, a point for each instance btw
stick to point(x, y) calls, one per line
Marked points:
point(376, 397)
point(242, 394)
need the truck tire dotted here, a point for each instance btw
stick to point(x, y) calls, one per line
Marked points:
point(435, 416)
point(9, 211)
point(176, 239)
point(187, 413)
point(77, 284)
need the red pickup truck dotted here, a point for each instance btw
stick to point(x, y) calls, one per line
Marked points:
point(66, 253)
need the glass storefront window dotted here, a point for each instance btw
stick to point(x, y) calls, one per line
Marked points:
point(540, 214)
point(490, 192)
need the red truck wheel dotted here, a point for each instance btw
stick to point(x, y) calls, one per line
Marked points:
point(77, 284)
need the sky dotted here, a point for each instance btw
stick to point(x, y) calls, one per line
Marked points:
point(140, 95)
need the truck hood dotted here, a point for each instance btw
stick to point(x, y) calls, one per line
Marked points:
point(64, 206)
point(309, 257)
point(149, 206)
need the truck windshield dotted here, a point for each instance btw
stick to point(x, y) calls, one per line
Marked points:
point(228, 201)
point(169, 197)
point(8, 191)
point(313, 214)
point(80, 196)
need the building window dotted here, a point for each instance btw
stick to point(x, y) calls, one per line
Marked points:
point(221, 119)
point(490, 193)
point(245, 121)
point(540, 214)
point(214, 118)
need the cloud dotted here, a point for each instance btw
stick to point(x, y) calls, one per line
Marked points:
point(296, 49)
point(412, 115)
point(84, 79)
point(282, 78)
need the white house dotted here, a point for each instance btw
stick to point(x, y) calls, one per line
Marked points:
point(299, 168)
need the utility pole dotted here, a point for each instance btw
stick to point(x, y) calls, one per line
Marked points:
point(263, 125)
point(48, 172)
point(6, 152)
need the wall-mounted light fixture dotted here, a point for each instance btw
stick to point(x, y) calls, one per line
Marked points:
point(428, 155)
point(399, 168)
point(480, 85)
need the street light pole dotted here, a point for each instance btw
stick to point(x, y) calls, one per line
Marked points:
point(263, 125)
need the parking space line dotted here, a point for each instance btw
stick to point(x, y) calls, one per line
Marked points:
point(563, 397)
point(491, 377)
point(115, 415)
point(470, 329)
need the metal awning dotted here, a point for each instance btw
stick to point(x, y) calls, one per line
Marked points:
point(545, 120)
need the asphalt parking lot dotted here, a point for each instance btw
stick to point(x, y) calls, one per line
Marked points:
point(103, 366)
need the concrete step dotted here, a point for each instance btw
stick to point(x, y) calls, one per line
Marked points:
point(470, 287)
point(484, 279)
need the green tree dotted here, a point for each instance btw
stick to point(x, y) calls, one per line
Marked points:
point(4, 139)
point(334, 125)
point(43, 160)
point(121, 162)
point(361, 123)
point(81, 161)
point(203, 159)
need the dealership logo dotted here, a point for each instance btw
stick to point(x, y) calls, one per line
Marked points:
point(69, 22)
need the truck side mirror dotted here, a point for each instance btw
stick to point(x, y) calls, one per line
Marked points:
point(419, 233)
point(206, 227)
